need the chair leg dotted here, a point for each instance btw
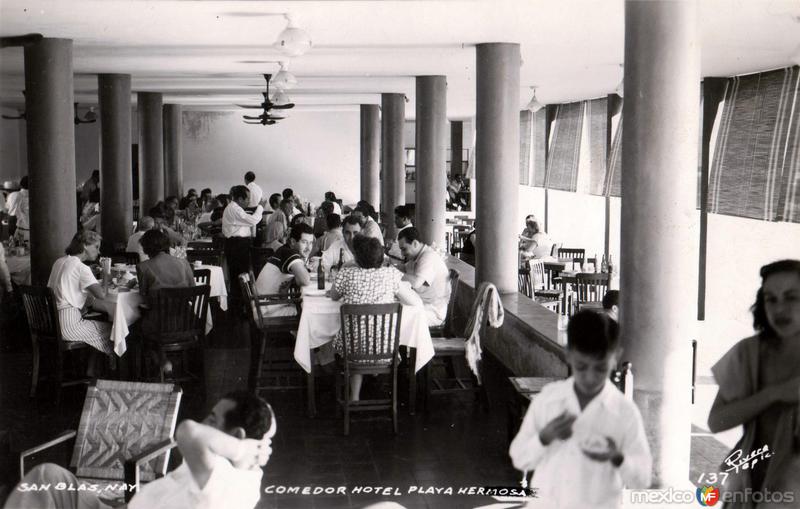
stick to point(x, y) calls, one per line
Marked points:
point(312, 406)
point(394, 401)
point(346, 404)
point(411, 358)
point(59, 375)
point(35, 375)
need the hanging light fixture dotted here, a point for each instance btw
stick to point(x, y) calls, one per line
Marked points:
point(284, 80)
point(280, 98)
point(293, 41)
point(620, 90)
point(534, 105)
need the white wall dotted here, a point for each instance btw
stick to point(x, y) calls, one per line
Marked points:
point(311, 152)
point(577, 220)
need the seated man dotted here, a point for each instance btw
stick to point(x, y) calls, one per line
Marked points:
point(287, 265)
point(222, 460)
point(340, 252)
point(427, 273)
point(146, 224)
point(611, 304)
point(402, 220)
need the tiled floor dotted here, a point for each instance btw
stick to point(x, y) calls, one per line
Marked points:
point(455, 445)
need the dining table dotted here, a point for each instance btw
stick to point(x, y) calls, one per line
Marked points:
point(217, 284)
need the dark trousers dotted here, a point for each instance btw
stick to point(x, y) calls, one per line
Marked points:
point(237, 255)
point(12, 225)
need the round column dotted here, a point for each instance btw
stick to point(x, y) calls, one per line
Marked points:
point(658, 265)
point(115, 159)
point(151, 150)
point(497, 164)
point(393, 179)
point(370, 154)
point(431, 160)
point(51, 152)
point(173, 151)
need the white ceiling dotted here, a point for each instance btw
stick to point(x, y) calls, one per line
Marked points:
point(211, 54)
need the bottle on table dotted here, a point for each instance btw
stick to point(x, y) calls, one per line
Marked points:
point(604, 265)
point(320, 276)
point(595, 263)
point(610, 265)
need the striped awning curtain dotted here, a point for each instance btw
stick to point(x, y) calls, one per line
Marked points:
point(539, 147)
point(613, 180)
point(562, 161)
point(525, 133)
point(596, 110)
point(755, 168)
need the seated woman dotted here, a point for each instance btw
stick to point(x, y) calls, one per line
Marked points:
point(76, 289)
point(759, 388)
point(533, 242)
point(369, 283)
point(162, 270)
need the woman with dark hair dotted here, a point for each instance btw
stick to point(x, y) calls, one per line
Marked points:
point(369, 283)
point(759, 388)
point(162, 270)
point(76, 289)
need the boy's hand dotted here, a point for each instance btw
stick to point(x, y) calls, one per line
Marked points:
point(560, 427)
point(254, 453)
point(611, 454)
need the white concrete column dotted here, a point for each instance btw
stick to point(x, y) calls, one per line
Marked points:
point(431, 158)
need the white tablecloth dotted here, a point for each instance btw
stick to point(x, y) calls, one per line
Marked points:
point(20, 269)
point(217, 284)
point(126, 311)
point(319, 323)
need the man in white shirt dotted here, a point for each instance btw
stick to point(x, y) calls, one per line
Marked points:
point(237, 227)
point(426, 272)
point(582, 437)
point(333, 233)
point(369, 227)
point(402, 220)
point(331, 197)
point(145, 224)
point(18, 211)
point(255, 190)
point(222, 460)
point(342, 249)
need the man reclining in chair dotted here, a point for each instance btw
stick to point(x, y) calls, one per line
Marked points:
point(222, 460)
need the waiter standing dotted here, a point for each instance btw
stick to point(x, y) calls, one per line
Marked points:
point(238, 228)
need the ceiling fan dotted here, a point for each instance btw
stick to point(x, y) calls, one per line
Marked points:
point(266, 118)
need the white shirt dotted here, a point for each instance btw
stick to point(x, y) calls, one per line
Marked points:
point(394, 251)
point(2, 202)
point(227, 487)
point(69, 280)
point(238, 223)
point(330, 257)
point(18, 207)
point(134, 246)
point(255, 194)
point(337, 209)
point(565, 477)
point(435, 292)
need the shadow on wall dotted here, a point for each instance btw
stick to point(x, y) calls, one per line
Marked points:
point(197, 124)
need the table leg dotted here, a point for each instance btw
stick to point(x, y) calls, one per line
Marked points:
point(412, 380)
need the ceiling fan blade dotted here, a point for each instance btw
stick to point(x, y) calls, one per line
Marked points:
point(282, 106)
point(269, 122)
point(7, 117)
point(252, 123)
point(253, 118)
point(249, 106)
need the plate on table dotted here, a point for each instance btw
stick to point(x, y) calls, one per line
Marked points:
point(313, 291)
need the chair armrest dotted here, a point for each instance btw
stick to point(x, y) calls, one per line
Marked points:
point(133, 465)
point(63, 437)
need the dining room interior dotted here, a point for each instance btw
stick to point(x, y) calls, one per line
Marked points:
point(381, 217)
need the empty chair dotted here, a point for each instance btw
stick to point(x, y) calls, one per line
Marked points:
point(205, 256)
point(202, 276)
point(590, 287)
point(370, 339)
point(577, 255)
point(45, 330)
point(524, 285)
point(121, 423)
point(181, 324)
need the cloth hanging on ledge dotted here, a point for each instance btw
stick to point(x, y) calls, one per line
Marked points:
point(487, 306)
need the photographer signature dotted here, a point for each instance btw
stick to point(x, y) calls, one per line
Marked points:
point(735, 461)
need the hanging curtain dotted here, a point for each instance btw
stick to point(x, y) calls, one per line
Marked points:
point(525, 133)
point(471, 159)
point(565, 148)
point(596, 110)
point(538, 147)
point(613, 178)
point(755, 167)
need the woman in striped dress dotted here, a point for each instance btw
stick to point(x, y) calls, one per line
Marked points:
point(76, 288)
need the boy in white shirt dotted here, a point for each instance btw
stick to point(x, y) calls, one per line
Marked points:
point(582, 438)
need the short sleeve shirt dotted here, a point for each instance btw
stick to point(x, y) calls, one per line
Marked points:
point(70, 279)
point(277, 270)
point(435, 293)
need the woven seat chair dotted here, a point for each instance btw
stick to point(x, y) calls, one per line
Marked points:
point(45, 330)
point(378, 355)
point(121, 425)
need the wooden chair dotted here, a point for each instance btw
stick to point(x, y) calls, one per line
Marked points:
point(201, 246)
point(205, 256)
point(272, 364)
point(377, 355)
point(543, 290)
point(446, 329)
point(589, 287)
point(181, 317)
point(524, 285)
point(259, 257)
point(45, 329)
point(576, 254)
point(122, 434)
point(202, 277)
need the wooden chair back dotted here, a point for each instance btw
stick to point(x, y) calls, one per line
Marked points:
point(181, 313)
point(590, 286)
point(537, 272)
point(119, 420)
point(258, 303)
point(576, 254)
point(205, 256)
point(551, 272)
point(371, 333)
point(524, 281)
point(202, 276)
point(40, 309)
